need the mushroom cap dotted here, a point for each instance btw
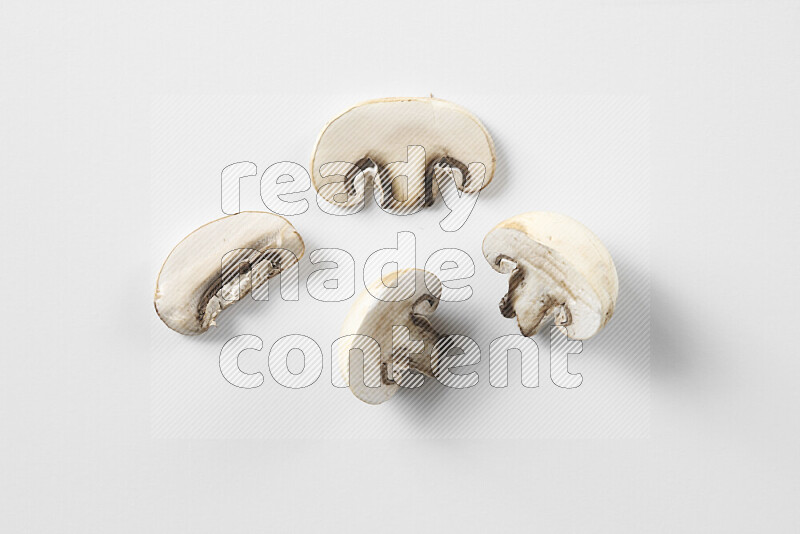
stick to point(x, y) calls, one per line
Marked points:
point(383, 129)
point(191, 291)
point(371, 316)
point(563, 263)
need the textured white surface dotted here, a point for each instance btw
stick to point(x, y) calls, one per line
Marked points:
point(584, 156)
point(79, 81)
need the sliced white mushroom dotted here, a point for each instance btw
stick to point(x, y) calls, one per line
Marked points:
point(219, 263)
point(379, 368)
point(558, 268)
point(362, 144)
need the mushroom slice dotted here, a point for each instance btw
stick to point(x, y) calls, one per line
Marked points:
point(558, 267)
point(374, 135)
point(379, 369)
point(220, 262)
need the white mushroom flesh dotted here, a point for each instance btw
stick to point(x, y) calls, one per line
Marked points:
point(558, 269)
point(219, 263)
point(375, 318)
point(375, 134)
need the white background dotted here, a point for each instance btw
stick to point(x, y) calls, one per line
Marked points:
point(587, 156)
point(78, 83)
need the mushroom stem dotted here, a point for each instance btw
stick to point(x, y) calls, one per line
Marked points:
point(507, 302)
point(536, 312)
point(386, 377)
point(423, 362)
point(533, 313)
point(385, 184)
point(564, 316)
point(441, 168)
point(541, 309)
point(433, 173)
point(420, 329)
point(366, 166)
